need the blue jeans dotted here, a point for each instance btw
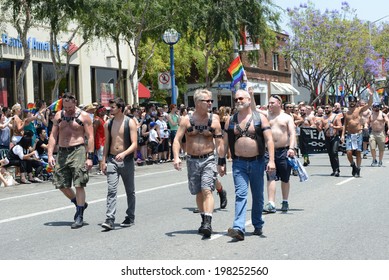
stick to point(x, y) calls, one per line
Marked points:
point(245, 171)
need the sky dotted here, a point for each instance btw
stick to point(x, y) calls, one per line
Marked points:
point(370, 10)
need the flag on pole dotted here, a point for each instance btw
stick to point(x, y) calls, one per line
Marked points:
point(56, 105)
point(236, 70)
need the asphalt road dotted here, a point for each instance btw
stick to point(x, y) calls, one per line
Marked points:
point(330, 218)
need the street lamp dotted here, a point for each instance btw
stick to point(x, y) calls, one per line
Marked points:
point(171, 37)
point(370, 23)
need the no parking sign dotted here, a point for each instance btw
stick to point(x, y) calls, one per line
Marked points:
point(164, 80)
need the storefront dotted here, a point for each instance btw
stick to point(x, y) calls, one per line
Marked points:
point(92, 76)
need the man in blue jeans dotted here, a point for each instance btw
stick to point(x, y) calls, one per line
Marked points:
point(248, 136)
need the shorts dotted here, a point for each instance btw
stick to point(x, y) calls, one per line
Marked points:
point(365, 135)
point(377, 139)
point(153, 147)
point(354, 142)
point(99, 153)
point(71, 167)
point(202, 174)
point(283, 169)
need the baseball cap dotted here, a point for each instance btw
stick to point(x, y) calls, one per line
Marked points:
point(152, 124)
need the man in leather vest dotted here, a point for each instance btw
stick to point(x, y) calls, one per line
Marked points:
point(249, 135)
point(70, 128)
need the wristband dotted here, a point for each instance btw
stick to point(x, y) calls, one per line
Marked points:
point(90, 156)
point(221, 161)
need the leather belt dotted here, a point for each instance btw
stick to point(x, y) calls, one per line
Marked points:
point(71, 148)
point(200, 156)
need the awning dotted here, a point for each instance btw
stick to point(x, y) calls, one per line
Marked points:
point(143, 92)
point(283, 89)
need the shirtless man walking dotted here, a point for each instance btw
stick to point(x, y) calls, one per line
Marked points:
point(284, 137)
point(377, 122)
point(353, 127)
point(71, 126)
point(118, 160)
point(202, 131)
point(331, 124)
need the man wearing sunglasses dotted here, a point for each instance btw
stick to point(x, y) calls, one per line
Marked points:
point(353, 128)
point(203, 134)
point(377, 121)
point(248, 136)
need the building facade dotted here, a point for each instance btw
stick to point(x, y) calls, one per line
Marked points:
point(270, 74)
point(93, 73)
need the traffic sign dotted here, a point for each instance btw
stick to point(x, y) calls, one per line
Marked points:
point(164, 80)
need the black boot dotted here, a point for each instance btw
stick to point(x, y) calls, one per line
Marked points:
point(354, 169)
point(223, 198)
point(202, 224)
point(79, 222)
point(206, 229)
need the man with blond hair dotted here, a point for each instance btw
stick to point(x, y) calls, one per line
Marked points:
point(203, 134)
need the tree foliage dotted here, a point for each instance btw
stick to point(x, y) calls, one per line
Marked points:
point(330, 48)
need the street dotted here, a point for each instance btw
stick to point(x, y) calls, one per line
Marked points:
point(330, 218)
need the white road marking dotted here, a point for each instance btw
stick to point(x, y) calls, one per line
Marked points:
point(345, 181)
point(89, 202)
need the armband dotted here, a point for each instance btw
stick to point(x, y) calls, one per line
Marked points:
point(218, 136)
point(221, 161)
point(90, 156)
point(266, 128)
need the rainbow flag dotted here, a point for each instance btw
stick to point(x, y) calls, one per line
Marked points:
point(47, 167)
point(31, 107)
point(236, 71)
point(56, 105)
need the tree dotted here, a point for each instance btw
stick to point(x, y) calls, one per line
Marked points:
point(66, 18)
point(134, 22)
point(212, 25)
point(324, 47)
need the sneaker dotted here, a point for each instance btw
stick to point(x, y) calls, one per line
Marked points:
point(196, 210)
point(108, 224)
point(336, 174)
point(269, 208)
point(380, 163)
point(258, 231)
point(235, 233)
point(295, 172)
point(127, 223)
point(364, 156)
point(285, 206)
point(223, 199)
point(374, 163)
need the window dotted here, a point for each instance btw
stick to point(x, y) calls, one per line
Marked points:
point(8, 74)
point(275, 61)
point(44, 80)
point(104, 85)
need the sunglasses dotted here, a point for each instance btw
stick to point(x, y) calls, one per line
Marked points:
point(327, 107)
point(288, 107)
point(238, 99)
point(208, 101)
